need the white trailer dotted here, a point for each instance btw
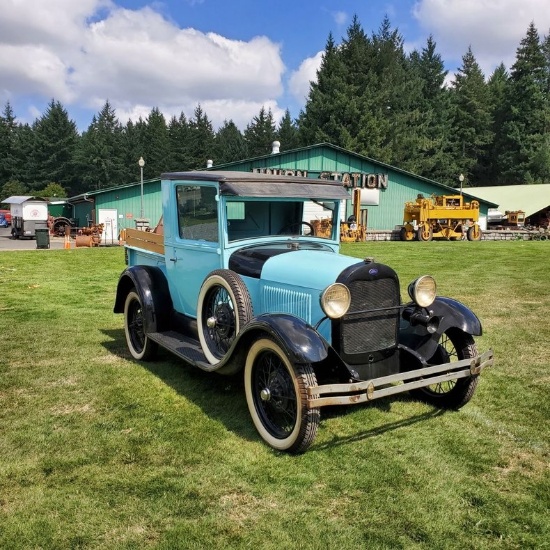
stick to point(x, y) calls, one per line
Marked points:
point(27, 215)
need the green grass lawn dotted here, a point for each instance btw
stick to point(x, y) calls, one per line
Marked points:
point(100, 451)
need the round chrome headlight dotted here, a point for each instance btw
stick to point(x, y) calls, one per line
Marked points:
point(422, 290)
point(335, 300)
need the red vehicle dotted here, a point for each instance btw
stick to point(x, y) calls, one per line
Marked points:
point(7, 215)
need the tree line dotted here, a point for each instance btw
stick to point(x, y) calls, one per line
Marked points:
point(370, 97)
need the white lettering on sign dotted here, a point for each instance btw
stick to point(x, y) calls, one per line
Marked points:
point(358, 179)
point(348, 179)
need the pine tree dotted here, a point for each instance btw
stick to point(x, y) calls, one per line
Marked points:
point(321, 120)
point(178, 136)
point(56, 141)
point(287, 133)
point(260, 134)
point(472, 119)
point(201, 139)
point(230, 144)
point(434, 157)
point(8, 156)
point(524, 153)
point(498, 89)
point(157, 145)
point(100, 154)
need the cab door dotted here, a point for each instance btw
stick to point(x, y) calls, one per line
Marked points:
point(191, 242)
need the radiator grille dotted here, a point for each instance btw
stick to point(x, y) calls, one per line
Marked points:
point(367, 331)
point(281, 300)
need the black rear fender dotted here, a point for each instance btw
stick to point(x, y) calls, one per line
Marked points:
point(151, 285)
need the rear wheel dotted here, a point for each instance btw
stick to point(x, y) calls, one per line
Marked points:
point(224, 308)
point(140, 346)
point(406, 233)
point(276, 393)
point(454, 345)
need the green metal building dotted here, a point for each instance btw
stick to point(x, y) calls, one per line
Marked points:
point(384, 188)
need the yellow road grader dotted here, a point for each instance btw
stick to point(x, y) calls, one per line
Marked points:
point(441, 216)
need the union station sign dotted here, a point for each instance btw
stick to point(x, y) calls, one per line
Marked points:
point(348, 179)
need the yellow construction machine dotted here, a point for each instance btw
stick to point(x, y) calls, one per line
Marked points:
point(352, 230)
point(441, 216)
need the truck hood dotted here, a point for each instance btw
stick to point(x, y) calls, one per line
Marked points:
point(312, 269)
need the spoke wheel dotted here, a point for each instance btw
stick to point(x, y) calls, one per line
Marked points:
point(140, 346)
point(454, 345)
point(224, 308)
point(276, 393)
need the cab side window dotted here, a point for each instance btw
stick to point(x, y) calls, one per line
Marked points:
point(197, 213)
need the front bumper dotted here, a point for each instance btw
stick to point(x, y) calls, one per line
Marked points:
point(368, 390)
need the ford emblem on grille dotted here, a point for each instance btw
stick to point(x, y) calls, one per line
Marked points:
point(373, 271)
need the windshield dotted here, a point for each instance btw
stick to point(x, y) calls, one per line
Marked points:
point(263, 218)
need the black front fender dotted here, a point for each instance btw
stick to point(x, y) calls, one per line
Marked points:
point(152, 287)
point(450, 314)
point(301, 341)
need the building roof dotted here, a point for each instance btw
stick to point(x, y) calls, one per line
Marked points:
point(529, 198)
point(300, 151)
point(19, 199)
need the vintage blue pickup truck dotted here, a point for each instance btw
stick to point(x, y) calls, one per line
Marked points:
point(244, 275)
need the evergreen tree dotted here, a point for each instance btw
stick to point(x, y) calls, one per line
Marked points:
point(135, 146)
point(260, 134)
point(472, 119)
point(24, 143)
point(230, 144)
point(395, 89)
point(100, 155)
point(178, 136)
point(201, 139)
point(321, 119)
point(56, 141)
point(497, 86)
point(158, 148)
point(287, 133)
point(8, 156)
point(434, 158)
point(524, 154)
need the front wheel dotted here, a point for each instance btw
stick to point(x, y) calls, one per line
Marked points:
point(425, 233)
point(454, 345)
point(474, 233)
point(276, 393)
point(140, 346)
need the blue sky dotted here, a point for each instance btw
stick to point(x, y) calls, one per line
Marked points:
point(232, 57)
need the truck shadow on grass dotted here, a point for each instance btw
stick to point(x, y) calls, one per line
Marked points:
point(222, 398)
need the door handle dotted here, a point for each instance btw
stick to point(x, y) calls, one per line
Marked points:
point(173, 259)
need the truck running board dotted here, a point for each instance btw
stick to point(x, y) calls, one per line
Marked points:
point(186, 348)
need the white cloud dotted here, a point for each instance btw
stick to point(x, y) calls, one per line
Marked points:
point(83, 53)
point(493, 28)
point(340, 18)
point(300, 79)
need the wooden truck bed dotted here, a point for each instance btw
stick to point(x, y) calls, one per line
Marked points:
point(146, 240)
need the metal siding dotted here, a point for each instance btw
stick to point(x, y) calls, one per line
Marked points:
point(127, 202)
